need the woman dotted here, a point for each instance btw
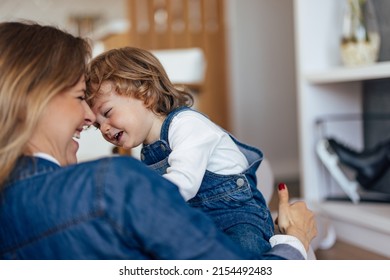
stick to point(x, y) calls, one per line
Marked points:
point(112, 208)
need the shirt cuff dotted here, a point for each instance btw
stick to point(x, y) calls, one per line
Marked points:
point(290, 240)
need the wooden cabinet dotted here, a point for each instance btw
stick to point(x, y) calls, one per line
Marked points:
point(178, 24)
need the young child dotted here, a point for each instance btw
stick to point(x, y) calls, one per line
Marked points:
point(135, 103)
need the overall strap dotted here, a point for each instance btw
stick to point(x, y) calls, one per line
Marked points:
point(168, 120)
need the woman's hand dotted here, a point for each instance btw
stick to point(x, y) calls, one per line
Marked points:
point(295, 219)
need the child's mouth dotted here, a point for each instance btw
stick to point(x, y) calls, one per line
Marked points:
point(118, 136)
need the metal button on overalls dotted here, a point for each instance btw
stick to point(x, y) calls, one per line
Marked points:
point(240, 182)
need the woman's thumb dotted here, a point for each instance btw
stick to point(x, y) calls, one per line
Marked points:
point(283, 220)
point(283, 194)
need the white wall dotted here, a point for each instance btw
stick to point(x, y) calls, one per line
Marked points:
point(262, 76)
point(57, 12)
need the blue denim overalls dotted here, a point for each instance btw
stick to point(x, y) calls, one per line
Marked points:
point(232, 201)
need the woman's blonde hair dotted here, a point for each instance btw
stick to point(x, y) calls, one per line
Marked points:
point(36, 63)
point(137, 73)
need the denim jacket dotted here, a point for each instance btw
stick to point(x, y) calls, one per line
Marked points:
point(111, 208)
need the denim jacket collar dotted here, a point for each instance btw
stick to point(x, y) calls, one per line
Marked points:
point(28, 166)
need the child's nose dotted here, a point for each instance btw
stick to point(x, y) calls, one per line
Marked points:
point(105, 128)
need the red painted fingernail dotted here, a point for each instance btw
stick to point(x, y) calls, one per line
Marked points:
point(281, 186)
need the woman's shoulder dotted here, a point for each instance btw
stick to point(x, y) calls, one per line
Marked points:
point(115, 170)
point(120, 178)
point(110, 166)
point(113, 178)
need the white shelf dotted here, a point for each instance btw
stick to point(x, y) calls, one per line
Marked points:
point(366, 225)
point(370, 215)
point(331, 90)
point(348, 74)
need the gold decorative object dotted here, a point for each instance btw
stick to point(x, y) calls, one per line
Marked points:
point(360, 41)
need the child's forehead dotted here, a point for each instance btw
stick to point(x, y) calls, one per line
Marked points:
point(102, 93)
point(107, 87)
point(101, 99)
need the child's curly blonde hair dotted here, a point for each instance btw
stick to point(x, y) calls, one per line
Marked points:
point(137, 73)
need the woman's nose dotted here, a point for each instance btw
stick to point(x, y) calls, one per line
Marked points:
point(89, 116)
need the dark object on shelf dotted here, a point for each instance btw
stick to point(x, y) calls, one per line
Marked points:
point(331, 162)
point(370, 165)
point(355, 191)
point(355, 171)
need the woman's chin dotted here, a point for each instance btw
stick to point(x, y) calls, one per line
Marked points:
point(71, 155)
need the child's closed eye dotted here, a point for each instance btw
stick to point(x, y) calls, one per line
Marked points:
point(107, 112)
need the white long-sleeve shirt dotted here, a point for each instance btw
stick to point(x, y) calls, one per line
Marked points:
point(198, 145)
